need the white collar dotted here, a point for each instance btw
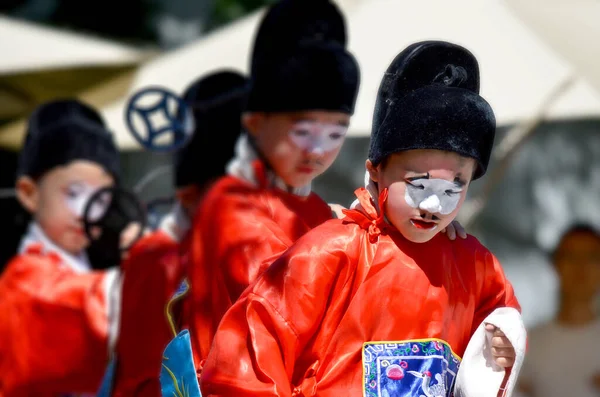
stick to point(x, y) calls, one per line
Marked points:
point(241, 166)
point(35, 235)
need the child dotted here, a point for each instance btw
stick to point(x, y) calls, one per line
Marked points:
point(154, 264)
point(304, 87)
point(217, 101)
point(58, 318)
point(378, 303)
point(574, 332)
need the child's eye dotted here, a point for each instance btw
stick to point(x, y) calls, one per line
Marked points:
point(335, 136)
point(451, 193)
point(73, 192)
point(300, 132)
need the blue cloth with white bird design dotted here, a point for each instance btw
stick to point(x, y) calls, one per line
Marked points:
point(421, 368)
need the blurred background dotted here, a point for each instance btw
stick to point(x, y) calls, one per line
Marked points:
point(538, 71)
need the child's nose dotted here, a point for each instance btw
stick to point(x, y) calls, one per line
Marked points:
point(431, 204)
point(315, 151)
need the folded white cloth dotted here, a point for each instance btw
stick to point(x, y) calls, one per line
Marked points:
point(479, 375)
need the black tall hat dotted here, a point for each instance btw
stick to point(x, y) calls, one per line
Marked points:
point(217, 101)
point(289, 23)
point(299, 60)
point(62, 131)
point(429, 99)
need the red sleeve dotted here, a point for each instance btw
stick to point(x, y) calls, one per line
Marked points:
point(232, 239)
point(496, 291)
point(257, 344)
point(150, 277)
point(53, 328)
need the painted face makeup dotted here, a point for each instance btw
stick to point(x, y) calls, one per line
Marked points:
point(78, 196)
point(436, 196)
point(315, 137)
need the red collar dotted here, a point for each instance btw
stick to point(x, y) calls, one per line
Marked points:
point(367, 217)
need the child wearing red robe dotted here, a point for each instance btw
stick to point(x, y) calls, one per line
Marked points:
point(304, 87)
point(58, 316)
point(379, 303)
point(155, 264)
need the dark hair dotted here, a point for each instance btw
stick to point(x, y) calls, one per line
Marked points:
point(577, 228)
point(583, 228)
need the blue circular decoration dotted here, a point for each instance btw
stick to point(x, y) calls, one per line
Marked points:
point(179, 120)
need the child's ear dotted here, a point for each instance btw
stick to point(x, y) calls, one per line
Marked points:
point(373, 171)
point(27, 193)
point(252, 122)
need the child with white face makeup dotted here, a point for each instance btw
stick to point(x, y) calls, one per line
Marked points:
point(304, 85)
point(58, 316)
point(378, 303)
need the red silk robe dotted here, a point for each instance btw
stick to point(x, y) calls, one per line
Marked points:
point(355, 309)
point(151, 275)
point(238, 228)
point(54, 321)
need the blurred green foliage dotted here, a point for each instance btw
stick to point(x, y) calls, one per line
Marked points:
point(225, 11)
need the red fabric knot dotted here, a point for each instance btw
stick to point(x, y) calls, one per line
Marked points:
point(368, 217)
point(374, 231)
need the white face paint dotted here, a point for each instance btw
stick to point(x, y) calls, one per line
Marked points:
point(78, 196)
point(316, 137)
point(436, 196)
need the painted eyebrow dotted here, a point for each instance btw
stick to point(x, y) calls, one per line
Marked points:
point(457, 181)
point(415, 178)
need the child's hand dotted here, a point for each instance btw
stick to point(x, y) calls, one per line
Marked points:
point(502, 350)
point(453, 229)
point(130, 234)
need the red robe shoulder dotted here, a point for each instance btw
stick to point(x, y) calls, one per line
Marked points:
point(53, 326)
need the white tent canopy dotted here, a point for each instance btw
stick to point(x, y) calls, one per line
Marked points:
point(27, 47)
point(570, 27)
point(518, 71)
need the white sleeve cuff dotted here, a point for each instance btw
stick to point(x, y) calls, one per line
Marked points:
point(478, 374)
point(113, 285)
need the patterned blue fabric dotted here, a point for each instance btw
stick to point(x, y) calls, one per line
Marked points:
point(178, 376)
point(422, 368)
